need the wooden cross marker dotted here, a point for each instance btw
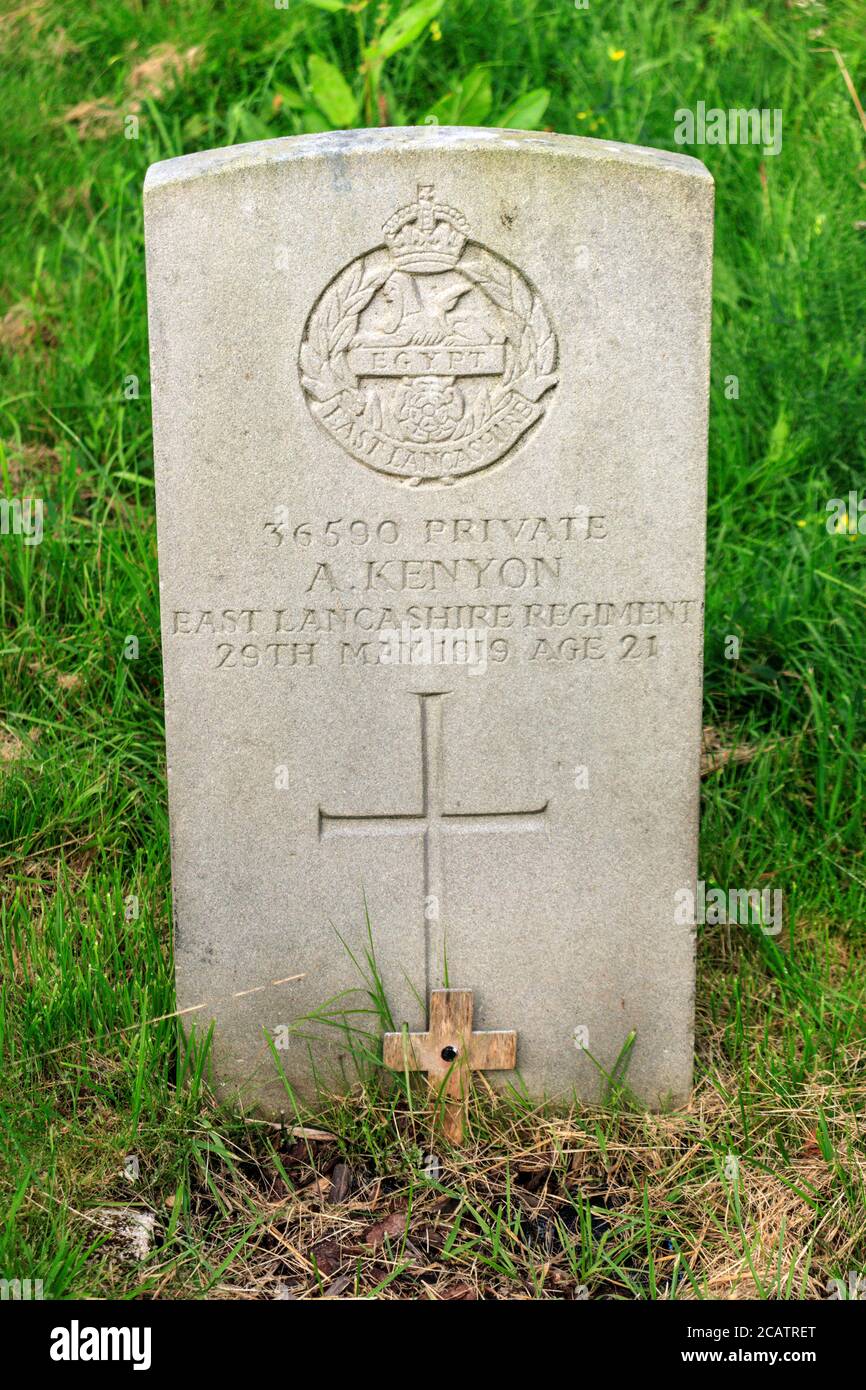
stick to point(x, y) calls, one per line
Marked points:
point(448, 1051)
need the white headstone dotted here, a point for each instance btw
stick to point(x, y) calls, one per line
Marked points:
point(430, 414)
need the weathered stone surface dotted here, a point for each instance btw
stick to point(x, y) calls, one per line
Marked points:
point(445, 379)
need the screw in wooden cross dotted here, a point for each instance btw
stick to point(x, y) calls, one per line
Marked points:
point(448, 1052)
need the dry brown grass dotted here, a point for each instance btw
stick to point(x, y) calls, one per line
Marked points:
point(541, 1206)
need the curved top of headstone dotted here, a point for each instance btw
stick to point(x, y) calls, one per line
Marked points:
point(435, 138)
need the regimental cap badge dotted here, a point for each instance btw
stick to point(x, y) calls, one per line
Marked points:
point(426, 236)
point(428, 357)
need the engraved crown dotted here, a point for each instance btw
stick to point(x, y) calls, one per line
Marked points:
point(426, 236)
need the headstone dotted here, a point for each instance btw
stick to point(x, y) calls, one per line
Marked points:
point(430, 413)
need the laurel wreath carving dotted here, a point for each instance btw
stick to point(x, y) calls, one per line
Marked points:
point(530, 349)
point(531, 344)
point(332, 326)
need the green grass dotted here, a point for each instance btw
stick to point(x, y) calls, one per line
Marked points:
point(606, 1201)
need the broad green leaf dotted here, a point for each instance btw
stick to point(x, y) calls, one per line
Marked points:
point(251, 127)
point(290, 96)
point(406, 27)
point(469, 103)
point(332, 5)
point(778, 437)
point(313, 121)
point(195, 127)
point(476, 97)
point(331, 92)
point(526, 112)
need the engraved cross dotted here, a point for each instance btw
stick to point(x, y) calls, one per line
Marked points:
point(432, 822)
